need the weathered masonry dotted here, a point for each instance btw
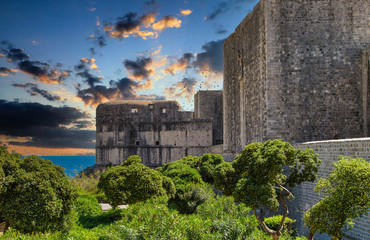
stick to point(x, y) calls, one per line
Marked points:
point(298, 71)
point(157, 131)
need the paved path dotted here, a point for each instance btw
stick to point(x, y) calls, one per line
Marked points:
point(2, 228)
point(106, 206)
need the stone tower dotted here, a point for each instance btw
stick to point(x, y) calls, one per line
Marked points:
point(297, 71)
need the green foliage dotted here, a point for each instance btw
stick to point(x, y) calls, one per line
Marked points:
point(87, 184)
point(168, 186)
point(36, 195)
point(261, 169)
point(346, 196)
point(192, 161)
point(104, 218)
point(189, 197)
point(87, 205)
point(207, 164)
point(225, 178)
point(181, 174)
point(131, 184)
point(275, 221)
point(134, 159)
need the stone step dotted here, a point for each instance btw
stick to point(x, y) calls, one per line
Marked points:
point(106, 206)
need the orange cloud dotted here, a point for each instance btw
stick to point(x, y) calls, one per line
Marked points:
point(167, 22)
point(186, 12)
point(183, 89)
point(5, 71)
point(92, 63)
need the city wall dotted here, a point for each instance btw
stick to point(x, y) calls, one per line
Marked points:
point(305, 197)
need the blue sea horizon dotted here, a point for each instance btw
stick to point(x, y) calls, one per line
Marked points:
point(72, 164)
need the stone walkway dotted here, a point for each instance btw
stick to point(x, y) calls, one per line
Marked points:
point(2, 228)
point(106, 206)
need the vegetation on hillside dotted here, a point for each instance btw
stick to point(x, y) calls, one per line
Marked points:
point(178, 200)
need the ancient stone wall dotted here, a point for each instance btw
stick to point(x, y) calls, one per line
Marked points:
point(293, 70)
point(305, 197)
point(208, 105)
point(365, 89)
point(314, 68)
point(157, 131)
point(245, 82)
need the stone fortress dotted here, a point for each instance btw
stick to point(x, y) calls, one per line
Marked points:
point(157, 131)
point(296, 70)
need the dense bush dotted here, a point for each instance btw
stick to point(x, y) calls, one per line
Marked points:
point(131, 160)
point(181, 174)
point(87, 205)
point(275, 221)
point(128, 184)
point(87, 184)
point(225, 178)
point(207, 164)
point(189, 197)
point(36, 195)
point(346, 196)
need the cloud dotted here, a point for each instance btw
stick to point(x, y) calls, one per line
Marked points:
point(122, 89)
point(41, 71)
point(131, 24)
point(220, 29)
point(151, 2)
point(34, 90)
point(211, 59)
point(139, 69)
point(6, 71)
point(224, 7)
point(83, 69)
point(44, 125)
point(186, 12)
point(183, 89)
point(181, 64)
point(167, 22)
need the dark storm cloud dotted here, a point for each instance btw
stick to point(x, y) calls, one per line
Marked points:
point(226, 6)
point(92, 51)
point(44, 125)
point(139, 69)
point(60, 137)
point(211, 59)
point(101, 41)
point(127, 23)
point(39, 70)
point(34, 90)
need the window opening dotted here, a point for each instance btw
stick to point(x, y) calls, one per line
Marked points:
point(134, 110)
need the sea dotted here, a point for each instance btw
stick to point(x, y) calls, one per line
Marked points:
point(72, 164)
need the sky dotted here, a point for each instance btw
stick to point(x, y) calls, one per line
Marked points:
point(60, 59)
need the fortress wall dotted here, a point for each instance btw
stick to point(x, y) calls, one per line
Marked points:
point(245, 82)
point(208, 105)
point(314, 58)
point(305, 197)
point(365, 86)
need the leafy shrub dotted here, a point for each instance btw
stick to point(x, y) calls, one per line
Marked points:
point(102, 218)
point(169, 186)
point(189, 197)
point(274, 222)
point(225, 178)
point(87, 184)
point(131, 160)
point(181, 174)
point(87, 205)
point(207, 164)
point(131, 184)
point(36, 195)
point(101, 198)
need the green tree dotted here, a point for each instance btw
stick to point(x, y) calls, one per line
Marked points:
point(35, 194)
point(132, 182)
point(259, 179)
point(207, 164)
point(346, 196)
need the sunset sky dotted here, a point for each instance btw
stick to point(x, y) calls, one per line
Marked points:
point(60, 59)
